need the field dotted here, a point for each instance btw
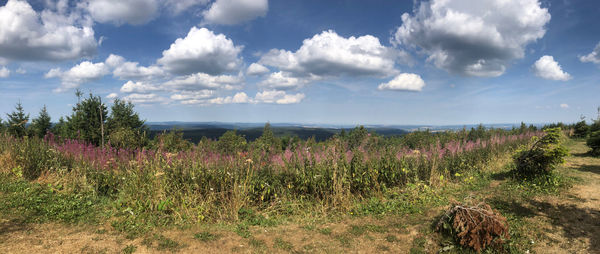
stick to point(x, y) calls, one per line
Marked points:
point(359, 193)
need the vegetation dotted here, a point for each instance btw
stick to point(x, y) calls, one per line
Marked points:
point(541, 157)
point(142, 184)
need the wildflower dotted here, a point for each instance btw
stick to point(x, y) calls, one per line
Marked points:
point(249, 161)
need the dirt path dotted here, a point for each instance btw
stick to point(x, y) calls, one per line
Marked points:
point(571, 221)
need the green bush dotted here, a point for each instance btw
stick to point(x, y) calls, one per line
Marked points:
point(581, 129)
point(128, 138)
point(594, 142)
point(172, 142)
point(231, 142)
point(542, 156)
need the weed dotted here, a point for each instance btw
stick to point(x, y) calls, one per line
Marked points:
point(206, 236)
point(325, 231)
point(391, 238)
point(243, 230)
point(282, 244)
point(129, 249)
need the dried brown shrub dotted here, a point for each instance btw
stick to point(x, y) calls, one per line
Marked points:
point(476, 226)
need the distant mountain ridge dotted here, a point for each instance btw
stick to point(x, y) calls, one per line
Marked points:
point(194, 131)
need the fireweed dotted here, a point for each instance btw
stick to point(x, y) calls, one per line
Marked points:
point(202, 183)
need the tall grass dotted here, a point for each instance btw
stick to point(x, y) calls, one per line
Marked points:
point(204, 184)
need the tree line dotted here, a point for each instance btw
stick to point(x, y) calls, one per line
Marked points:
point(89, 120)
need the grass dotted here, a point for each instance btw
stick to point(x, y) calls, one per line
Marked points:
point(411, 204)
point(206, 236)
point(279, 243)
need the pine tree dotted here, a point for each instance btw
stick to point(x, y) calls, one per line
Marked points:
point(87, 120)
point(122, 115)
point(16, 121)
point(42, 124)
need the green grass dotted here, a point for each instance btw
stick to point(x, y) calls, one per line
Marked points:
point(206, 236)
point(129, 249)
point(42, 203)
point(283, 244)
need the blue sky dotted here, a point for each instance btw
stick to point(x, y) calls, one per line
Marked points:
point(333, 62)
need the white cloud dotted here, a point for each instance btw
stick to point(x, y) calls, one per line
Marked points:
point(26, 35)
point(278, 97)
point(201, 51)
point(178, 6)
point(329, 55)
point(231, 12)
point(112, 96)
point(138, 87)
point(593, 57)
point(144, 98)
point(473, 38)
point(189, 96)
point(564, 105)
point(4, 72)
point(240, 97)
point(20, 70)
point(82, 73)
point(547, 68)
point(282, 81)
point(404, 82)
point(118, 12)
point(256, 69)
point(114, 60)
point(131, 70)
point(202, 81)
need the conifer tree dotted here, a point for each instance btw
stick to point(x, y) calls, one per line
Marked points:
point(41, 124)
point(17, 121)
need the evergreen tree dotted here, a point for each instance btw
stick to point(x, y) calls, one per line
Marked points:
point(124, 126)
point(41, 124)
point(16, 121)
point(87, 120)
point(122, 115)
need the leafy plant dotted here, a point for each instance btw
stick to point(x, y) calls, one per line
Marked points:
point(542, 156)
point(594, 142)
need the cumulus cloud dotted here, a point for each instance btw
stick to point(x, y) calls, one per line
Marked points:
point(593, 57)
point(231, 12)
point(192, 97)
point(112, 96)
point(119, 12)
point(240, 97)
point(144, 98)
point(178, 6)
point(282, 81)
point(4, 72)
point(278, 97)
point(201, 51)
point(138, 87)
point(564, 105)
point(473, 38)
point(82, 73)
point(256, 69)
point(547, 68)
point(329, 55)
point(30, 36)
point(202, 81)
point(404, 82)
point(131, 70)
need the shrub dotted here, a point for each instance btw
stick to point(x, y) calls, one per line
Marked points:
point(231, 142)
point(127, 138)
point(542, 156)
point(581, 129)
point(171, 141)
point(594, 142)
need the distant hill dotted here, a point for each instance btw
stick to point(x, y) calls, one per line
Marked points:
point(194, 131)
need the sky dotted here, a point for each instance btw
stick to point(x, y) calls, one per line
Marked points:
point(434, 62)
